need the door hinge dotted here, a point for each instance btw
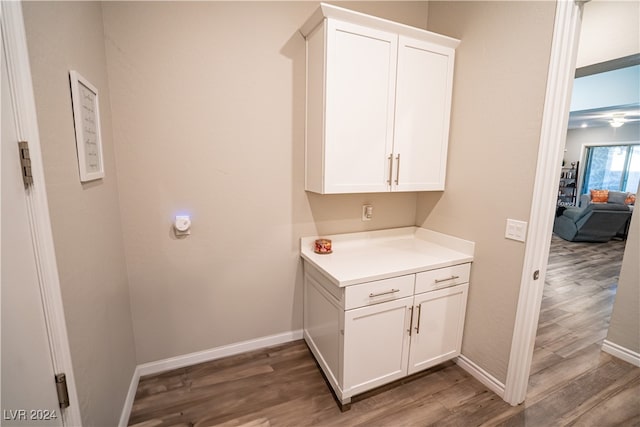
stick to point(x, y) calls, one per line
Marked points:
point(25, 163)
point(61, 388)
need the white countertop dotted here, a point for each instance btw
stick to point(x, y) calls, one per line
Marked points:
point(376, 255)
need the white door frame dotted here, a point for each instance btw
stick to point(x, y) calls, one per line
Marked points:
point(19, 74)
point(564, 50)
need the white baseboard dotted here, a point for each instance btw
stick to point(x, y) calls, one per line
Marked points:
point(621, 352)
point(217, 352)
point(131, 395)
point(199, 357)
point(481, 375)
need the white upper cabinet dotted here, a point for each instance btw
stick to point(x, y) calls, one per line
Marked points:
point(378, 104)
point(359, 107)
point(423, 103)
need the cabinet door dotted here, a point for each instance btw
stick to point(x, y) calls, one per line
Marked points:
point(376, 344)
point(423, 104)
point(437, 327)
point(360, 91)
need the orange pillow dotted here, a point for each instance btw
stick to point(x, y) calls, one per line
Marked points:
point(599, 196)
point(630, 200)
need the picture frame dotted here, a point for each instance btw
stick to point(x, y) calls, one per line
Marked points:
point(86, 119)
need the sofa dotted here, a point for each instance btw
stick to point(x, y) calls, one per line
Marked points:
point(595, 220)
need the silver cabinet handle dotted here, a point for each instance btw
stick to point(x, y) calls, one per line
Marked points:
point(410, 320)
point(398, 170)
point(418, 322)
point(392, 291)
point(390, 158)
point(448, 278)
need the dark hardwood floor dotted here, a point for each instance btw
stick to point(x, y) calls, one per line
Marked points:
point(572, 382)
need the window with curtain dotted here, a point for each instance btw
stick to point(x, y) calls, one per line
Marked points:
point(612, 167)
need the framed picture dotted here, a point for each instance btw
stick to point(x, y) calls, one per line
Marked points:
point(86, 119)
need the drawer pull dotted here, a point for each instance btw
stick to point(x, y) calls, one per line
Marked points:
point(448, 278)
point(392, 291)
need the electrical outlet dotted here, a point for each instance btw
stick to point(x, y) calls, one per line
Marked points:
point(182, 225)
point(367, 212)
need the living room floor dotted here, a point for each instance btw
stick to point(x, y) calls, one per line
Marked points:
point(578, 297)
point(572, 381)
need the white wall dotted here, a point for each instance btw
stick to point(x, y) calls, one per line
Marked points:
point(612, 88)
point(208, 117)
point(85, 218)
point(498, 98)
point(624, 327)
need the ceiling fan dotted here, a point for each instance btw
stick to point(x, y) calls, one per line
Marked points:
point(618, 119)
point(610, 116)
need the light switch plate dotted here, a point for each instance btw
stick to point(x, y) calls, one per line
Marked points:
point(516, 230)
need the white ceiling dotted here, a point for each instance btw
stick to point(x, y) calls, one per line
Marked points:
point(609, 31)
point(599, 98)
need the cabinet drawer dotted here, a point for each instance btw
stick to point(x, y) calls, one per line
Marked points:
point(378, 291)
point(442, 277)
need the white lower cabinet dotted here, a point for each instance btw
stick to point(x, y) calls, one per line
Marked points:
point(375, 345)
point(437, 333)
point(373, 333)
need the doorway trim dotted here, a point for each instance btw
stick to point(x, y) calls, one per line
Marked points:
point(555, 118)
point(21, 93)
